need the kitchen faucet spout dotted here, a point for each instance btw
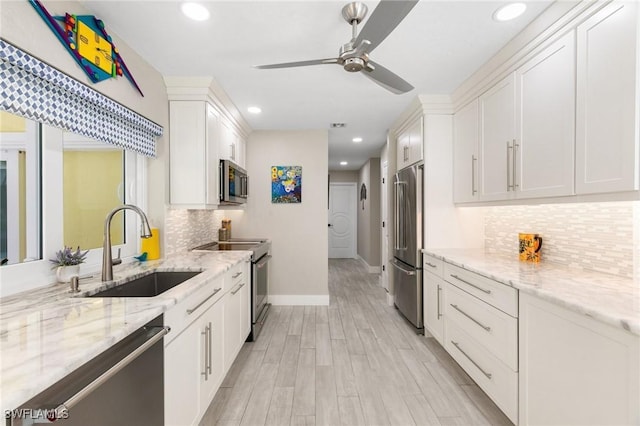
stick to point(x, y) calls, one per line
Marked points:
point(107, 261)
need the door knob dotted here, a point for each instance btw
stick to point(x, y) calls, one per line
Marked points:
point(330, 225)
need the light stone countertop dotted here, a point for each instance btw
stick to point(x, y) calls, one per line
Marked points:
point(608, 298)
point(47, 333)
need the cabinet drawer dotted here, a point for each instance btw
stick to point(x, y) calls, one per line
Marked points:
point(235, 275)
point(496, 331)
point(493, 376)
point(494, 293)
point(433, 265)
point(186, 311)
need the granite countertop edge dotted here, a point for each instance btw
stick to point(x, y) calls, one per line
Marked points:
point(577, 290)
point(65, 331)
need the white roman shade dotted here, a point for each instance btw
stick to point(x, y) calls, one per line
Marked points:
point(35, 90)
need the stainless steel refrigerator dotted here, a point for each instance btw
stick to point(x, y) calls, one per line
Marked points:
point(407, 243)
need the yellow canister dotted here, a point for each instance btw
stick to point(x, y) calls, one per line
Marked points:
point(151, 245)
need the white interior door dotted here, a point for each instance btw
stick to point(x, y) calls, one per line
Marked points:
point(342, 220)
point(385, 228)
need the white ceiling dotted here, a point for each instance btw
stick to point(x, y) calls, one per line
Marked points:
point(435, 48)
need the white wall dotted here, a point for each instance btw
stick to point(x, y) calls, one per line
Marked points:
point(342, 176)
point(369, 216)
point(299, 268)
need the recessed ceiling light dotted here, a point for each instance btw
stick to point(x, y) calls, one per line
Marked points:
point(195, 11)
point(509, 11)
point(343, 163)
point(357, 140)
point(254, 110)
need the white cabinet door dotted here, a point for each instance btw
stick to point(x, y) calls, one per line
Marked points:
point(497, 136)
point(465, 153)
point(211, 149)
point(212, 350)
point(193, 154)
point(415, 141)
point(182, 367)
point(245, 306)
point(227, 140)
point(575, 370)
point(433, 306)
point(232, 327)
point(544, 148)
point(402, 152)
point(607, 146)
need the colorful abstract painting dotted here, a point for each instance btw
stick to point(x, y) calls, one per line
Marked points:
point(286, 184)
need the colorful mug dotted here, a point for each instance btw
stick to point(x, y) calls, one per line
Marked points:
point(530, 245)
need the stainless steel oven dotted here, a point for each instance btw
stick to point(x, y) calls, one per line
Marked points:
point(260, 284)
point(234, 183)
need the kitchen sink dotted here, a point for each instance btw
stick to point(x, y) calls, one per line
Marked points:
point(147, 286)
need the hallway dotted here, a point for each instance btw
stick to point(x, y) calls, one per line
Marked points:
point(355, 362)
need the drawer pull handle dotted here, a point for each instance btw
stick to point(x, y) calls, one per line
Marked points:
point(488, 375)
point(430, 264)
point(470, 317)
point(471, 284)
point(192, 310)
point(237, 289)
point(236, 275)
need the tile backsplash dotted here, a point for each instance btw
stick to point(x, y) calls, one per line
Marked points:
point(186, 229)
point(602, 237)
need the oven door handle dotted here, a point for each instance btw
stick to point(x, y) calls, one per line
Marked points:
point(263, 262)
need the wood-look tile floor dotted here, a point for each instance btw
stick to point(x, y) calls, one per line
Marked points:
point(355, 362)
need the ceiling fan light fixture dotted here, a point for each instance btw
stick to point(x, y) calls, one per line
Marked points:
point(509, 11)
point(195, 11)
point(357, 140)
point(343, 163)
point(254, 110)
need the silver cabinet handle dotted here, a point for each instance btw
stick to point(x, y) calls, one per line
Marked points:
point(192, 310)
point(509, 174)
point(429, 264)
point(438, 297)
point(515, 165)
point(210, 349)
point(236, 275)
point(471, 284)
point(470, 317)
point(473, 175)
point(237, 289)
point(87, 390)
point(205, 371)
point(263, 262)
point(488, 375)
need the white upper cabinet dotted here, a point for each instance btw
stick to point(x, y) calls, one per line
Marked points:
point(544, 147)
point(409, 144)
point(465, 153)
point(193, 153)
point(607, 147)
point(232, 146)
point(497, 137)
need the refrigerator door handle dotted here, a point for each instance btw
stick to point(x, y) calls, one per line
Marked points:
point(401, 237)
point(406, 271)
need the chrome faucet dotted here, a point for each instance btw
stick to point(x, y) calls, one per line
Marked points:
point(107, 261)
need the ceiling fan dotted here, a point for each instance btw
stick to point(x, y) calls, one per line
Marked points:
point(354, 55)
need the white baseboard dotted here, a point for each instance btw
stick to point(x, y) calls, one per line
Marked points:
point(370, 269)
point(390, 299)
point(298, 300)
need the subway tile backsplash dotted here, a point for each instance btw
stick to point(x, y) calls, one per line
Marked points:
point(603, 237)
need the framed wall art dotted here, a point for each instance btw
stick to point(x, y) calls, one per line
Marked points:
point(286, 184)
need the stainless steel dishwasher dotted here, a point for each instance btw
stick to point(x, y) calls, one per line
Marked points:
point(122, 386)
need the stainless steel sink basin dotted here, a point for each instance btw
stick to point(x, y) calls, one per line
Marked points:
point(148, 286)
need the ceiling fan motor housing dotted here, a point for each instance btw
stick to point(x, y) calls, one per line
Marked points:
point(354, 64)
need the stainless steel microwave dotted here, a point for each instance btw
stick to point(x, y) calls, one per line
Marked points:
point(234, 183)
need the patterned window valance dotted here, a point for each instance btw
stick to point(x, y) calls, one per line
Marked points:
point(35, 90)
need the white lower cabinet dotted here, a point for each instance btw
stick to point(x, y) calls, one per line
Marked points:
point(207, 332)
point(575, 370)
point(432, 303)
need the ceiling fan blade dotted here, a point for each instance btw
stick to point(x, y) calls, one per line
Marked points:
point(298, 64)
point(384, 19)
point(387, 79)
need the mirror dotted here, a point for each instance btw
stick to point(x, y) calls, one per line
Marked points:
point(20, 184)
point(93, 185)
